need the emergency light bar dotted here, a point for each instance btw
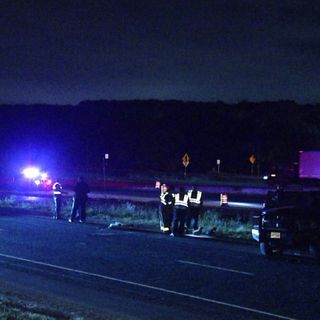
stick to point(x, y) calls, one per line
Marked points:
point(31, 173)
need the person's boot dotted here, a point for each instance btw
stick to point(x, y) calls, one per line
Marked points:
point(198, 231)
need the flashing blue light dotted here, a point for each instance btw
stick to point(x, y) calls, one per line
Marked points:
point(44, 175)
point(31, 172)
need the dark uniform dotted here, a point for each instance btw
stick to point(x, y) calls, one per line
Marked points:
point(80, 198)
point(181, 203)
point(166, 209)
point(57, 199)
point(274, 198)
point(278, 195)
point(195, 208)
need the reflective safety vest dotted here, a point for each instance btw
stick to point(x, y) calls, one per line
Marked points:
point(57, 189)
point(163, 199)
point(181, 203)
point(195, 201)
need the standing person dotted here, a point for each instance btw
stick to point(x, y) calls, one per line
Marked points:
point(166, 208)
point(278, 195)
point(170, 211)
point(80, 198)
point(57, 199)
point(163, 190)
point(181, 203)
point(195, 208)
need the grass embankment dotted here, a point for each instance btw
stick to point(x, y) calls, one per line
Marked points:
point(18, 304)
point(18, 310)
point(111, 211)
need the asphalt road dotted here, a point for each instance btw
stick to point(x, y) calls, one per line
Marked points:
point(138, 275)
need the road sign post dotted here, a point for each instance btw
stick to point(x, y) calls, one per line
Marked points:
point(252, 160)
point(218, 165)
point(185, 162)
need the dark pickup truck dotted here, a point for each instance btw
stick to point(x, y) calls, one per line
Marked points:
point(289, 220)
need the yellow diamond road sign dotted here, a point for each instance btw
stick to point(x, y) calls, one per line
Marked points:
point(252, 159)
point(186, 160)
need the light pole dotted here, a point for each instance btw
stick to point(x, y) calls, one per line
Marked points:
point(104, 164)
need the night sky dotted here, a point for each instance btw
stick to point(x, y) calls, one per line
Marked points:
point(63, 52)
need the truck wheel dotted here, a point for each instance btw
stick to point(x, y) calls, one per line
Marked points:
point(265, 249)
point(314, 250)
point(270, 251)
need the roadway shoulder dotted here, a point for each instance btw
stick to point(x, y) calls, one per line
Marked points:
point(148, 229)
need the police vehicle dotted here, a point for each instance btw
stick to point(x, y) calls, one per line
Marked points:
point(32, 178)
point(289, 220)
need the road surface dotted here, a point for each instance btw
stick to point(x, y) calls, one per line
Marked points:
point(137, 275)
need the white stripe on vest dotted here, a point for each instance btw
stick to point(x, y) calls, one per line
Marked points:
point(183, 202)
point(162, 198)
point(57, 188)
point(196, 200)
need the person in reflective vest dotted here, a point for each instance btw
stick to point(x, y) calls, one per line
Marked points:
point(181, 203)
point(166, 208)
point(57, 199)
point(195, 208)
point(163, 190)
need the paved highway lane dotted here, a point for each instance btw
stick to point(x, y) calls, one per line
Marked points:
point(153, 276)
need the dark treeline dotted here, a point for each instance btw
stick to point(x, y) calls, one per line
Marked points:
point(154, 135)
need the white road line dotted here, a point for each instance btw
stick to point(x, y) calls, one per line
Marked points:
point(216, 268)
point(141, 285)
